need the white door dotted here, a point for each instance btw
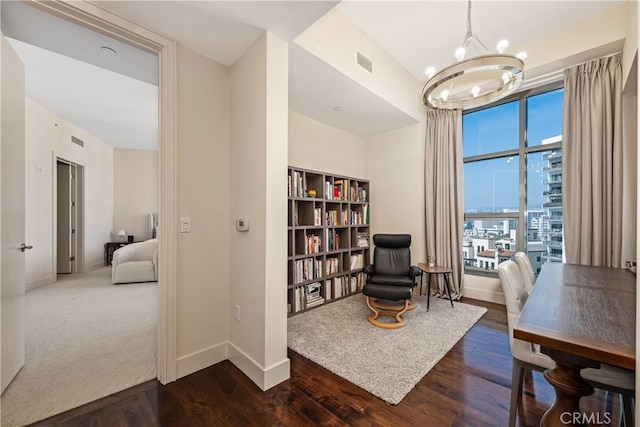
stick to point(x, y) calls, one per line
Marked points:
point(12, 258)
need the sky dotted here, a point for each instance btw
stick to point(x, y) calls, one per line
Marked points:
point(493, 184)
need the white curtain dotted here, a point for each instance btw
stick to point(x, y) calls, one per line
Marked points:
point(443, 194)
point(592, 162)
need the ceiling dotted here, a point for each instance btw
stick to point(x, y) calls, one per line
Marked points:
point(423, 33)
point(415, 33)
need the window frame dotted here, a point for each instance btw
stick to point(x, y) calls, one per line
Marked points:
point(522, 151)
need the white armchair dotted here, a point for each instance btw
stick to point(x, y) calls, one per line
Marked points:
point(137, 262)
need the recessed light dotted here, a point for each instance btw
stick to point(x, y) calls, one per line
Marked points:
point(338, 108)
point(109, 50)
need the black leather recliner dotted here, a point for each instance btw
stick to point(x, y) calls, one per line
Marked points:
point(391, 277)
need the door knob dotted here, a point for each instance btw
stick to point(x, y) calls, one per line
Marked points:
point(25, 247)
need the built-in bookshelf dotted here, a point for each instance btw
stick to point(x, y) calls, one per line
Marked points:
point(328, 237)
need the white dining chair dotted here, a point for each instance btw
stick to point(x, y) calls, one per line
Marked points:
point(527, 355)
point(526, 269)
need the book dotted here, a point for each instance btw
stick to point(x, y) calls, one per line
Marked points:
point(312, 290)
point(362, 239)
point(337, 287)
point(356, 261)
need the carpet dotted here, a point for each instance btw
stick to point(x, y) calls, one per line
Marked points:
point(85, 339)
point(388, 363)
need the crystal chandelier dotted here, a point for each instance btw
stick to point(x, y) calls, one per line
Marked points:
point(476, 80)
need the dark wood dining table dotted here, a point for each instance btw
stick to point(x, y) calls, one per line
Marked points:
point(581, 316)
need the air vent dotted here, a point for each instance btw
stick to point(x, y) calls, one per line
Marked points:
point(364, 62)
point(77, 141)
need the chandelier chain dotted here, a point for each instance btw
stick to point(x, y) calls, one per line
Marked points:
point(469, 32)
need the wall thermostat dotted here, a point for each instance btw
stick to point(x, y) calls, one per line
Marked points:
point(242, 224)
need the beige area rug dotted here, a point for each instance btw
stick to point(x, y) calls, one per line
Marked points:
point(387, 363)
point(85, 339)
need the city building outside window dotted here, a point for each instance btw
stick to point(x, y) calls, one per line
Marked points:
point(513, 180)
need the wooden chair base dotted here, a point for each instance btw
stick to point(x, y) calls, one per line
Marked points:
point(385, 306)
point(390, 310)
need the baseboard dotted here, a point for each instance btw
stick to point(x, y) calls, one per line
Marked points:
point(264, 378)
point(483, 295)
point(199, 360)
point(91, 267)
point(40, 283)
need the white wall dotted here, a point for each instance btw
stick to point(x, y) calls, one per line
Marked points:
point(46, 134)
point(631, 42)
point(585, 40)
point(259, 102)
point(203, 195)
point(394, 163)
point(320, 147)
point(135, 191)
point(335, 39)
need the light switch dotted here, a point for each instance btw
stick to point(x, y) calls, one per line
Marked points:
point(185, 224)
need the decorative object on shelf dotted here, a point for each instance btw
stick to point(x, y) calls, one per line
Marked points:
point(431, 261)
point(122, 235)
point(312, 193)
point(474, 80)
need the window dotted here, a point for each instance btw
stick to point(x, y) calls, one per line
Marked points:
point(513, 180)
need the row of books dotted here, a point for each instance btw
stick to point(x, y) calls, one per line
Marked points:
point(317, 216)
point(333, 266)
point(332, 238)
point(311, 268)
point(339, 189)
point(333, 218)
point(358, 194)
point(306, 296)
point(335, 190)
point(296, 185)
point(345, 285)
point(359, 218)
point(311, 295)
point(312, 243)
point(307, 269)
point(357, 261)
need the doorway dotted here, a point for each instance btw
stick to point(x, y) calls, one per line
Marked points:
point(96, 18)
point(69, 214)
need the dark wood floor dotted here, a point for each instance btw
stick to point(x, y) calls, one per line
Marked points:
point(470, 386)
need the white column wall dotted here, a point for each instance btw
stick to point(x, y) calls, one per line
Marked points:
point(203, 195)
point(259, 102)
